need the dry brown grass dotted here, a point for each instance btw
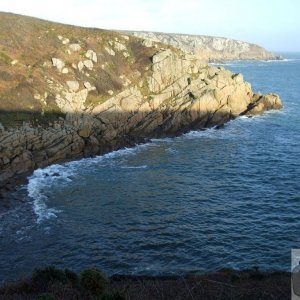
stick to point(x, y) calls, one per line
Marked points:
point(33, 42)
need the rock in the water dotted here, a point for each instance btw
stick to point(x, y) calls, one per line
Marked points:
point(261, 103)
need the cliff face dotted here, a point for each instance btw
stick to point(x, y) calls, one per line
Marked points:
point(208, 48)
point(68, 92)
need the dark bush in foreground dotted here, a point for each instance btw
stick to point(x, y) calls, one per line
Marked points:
point(227, 284)
point(114, 296)
point(94, 281)
point(72, 278)
point(45, 296)
point(41, 278)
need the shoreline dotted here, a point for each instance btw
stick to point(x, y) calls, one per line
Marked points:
point(16, 182)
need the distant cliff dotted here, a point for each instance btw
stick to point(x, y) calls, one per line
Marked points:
point(208, 48)
point(67, 92)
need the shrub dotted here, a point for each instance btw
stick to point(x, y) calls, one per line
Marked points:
point(114, 296)
point(72, 277)
point(45, 296)
point(41, 278)
point(94, 281)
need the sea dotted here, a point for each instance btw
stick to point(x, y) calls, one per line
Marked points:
point(206, 200)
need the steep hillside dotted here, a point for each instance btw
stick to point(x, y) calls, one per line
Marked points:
point(68, 92)
point(208, 48)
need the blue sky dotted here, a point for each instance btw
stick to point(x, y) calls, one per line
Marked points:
point(274, 24)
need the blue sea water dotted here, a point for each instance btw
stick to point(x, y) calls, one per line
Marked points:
point(202, 201)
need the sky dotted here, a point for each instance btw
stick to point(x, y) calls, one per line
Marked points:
point(273, 24)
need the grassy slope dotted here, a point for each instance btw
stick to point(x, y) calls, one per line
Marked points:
point(33, 42)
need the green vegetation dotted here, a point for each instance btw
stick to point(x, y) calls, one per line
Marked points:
point(16, 119)
point(94, 281)
point(111, 66)
point(45, 296)
point(130, 60)
point(93, 100)
point(5, 58)
point(41, 278)
point(9, 119)
point(145, 90)
point(195, 76)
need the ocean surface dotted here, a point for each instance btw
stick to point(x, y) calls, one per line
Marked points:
point(203, 201)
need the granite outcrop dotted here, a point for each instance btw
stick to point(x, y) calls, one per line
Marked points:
point(91, 94)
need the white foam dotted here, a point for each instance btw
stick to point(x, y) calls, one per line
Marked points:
point(134, 167)
point(162, 140)
point(199, 133)
point(231, 63)
point(171, 150)
point(281, 60)
point(42, 180)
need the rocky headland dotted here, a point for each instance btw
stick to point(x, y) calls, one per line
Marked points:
point(68, 92)
point(208, 48)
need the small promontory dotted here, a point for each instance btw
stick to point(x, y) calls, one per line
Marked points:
point(68, 92)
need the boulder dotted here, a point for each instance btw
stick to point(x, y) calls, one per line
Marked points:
point(73, 85)
point(65, 41)
point(80, 66)
point(110, 51)
point(90, 54)
point(261, 103)
point(120, 46)
point(75, 47)
point(88, 64)
point(58, 63)
point(88, 86)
